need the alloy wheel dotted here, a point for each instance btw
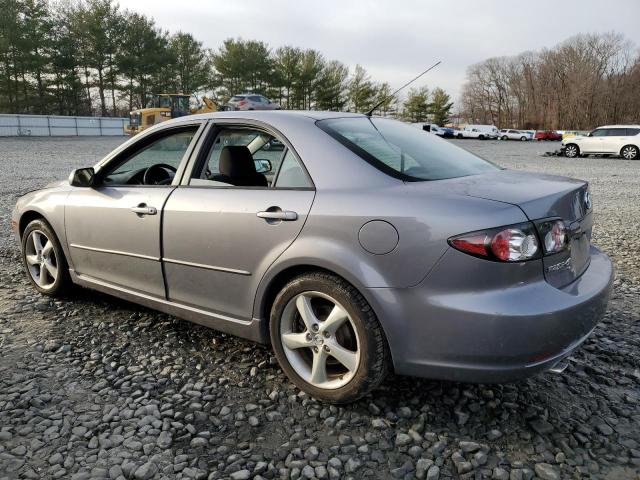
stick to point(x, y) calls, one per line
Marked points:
point(41, 259)
point(571, 151)
point(630, 152)
point(320, 340)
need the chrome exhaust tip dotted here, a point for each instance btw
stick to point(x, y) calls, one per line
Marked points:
point(560, 367)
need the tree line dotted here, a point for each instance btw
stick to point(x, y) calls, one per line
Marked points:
point(585, 81)
point(90, 57)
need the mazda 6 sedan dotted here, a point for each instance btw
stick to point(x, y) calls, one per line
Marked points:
point(363, 246)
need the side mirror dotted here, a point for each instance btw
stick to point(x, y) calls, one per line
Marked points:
point(263, 166)
point(82, 177)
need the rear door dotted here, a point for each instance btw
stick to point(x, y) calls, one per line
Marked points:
point(113, 229)
point(615, 140)
point(220, 238)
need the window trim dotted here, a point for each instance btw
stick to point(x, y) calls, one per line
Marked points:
point(214, 126)
point(108, 165)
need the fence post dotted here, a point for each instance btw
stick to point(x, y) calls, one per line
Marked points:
point(49, 124)
point(100, 123)
point(19, 126)
point(76, 119)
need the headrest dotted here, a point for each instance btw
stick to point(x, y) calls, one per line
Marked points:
point(236, 162)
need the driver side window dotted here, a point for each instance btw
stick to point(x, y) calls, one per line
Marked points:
point(165, 153)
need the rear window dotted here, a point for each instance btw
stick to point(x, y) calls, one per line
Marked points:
point(633, 131)
point(404, 152)
point(236, 98)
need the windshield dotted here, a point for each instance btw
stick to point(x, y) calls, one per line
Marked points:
point(402, 151)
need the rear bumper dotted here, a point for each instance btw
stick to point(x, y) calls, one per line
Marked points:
point(490, 335)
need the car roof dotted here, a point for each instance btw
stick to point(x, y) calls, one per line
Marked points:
point(618, 126)
point(267, 115)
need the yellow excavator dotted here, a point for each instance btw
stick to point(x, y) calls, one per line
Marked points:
point(165, 106)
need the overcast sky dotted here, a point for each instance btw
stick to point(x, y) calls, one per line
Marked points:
point(397, 39)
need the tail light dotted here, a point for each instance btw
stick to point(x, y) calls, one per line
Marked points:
point(242, 102)
point(553, 234)
point(515, 243)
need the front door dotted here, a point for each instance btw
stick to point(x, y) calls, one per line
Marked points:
point(594, 143)
point(231, 222)
point(113, 229)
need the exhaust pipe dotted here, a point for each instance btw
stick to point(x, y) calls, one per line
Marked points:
point(560, 367)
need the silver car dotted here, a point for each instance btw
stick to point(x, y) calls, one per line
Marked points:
point(251, 101)
point(363, 246)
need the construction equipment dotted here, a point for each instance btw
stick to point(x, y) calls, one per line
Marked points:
point(165, 106)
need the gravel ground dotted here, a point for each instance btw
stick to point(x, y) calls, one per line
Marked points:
point(94, 387)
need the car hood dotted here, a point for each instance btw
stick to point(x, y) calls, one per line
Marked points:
point(537, 195)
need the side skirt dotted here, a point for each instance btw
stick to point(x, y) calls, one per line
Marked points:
point(249, 329)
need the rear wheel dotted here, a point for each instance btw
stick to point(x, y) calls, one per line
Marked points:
point(504, 137)
point(460, 135)
point(44, 259)
point(481, 137)
point(571, 150)
point(327, 339)
point(523, 139)
point(629, 152)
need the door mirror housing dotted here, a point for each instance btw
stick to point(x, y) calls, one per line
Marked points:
point(82, 177)
point(263, 166)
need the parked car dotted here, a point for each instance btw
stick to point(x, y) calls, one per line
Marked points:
point(372, 248)
point(547, 135)
point(433, 128)
point(511, 134)
point(574, 133)
point(480, 132)
point(622, 140)
point(250, 101)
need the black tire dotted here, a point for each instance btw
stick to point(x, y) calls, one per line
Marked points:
point(480, 137)
point(460, 136)
point(504, 137)
point(62, 284)
point(375, 359)
point(571, 150)
point(630, 152)
point(523, 139)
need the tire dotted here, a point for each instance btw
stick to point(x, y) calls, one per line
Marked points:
point(480, 137)
point(298, 346)
point(504, 137)
point(571, 150)
point(460, 136)
point(523, 139)
point(630, 152)
point(44, 259)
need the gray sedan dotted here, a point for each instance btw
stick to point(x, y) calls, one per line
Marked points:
point(361, 247)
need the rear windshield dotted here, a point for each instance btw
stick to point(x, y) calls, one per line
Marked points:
point(402, 151)
point(237, 98)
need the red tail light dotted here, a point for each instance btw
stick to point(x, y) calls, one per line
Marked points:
point(516, 243)
point(242, 102)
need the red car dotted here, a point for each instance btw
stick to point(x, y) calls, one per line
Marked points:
point(547, 135)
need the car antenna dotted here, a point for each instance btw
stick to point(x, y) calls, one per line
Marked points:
point(370, 112)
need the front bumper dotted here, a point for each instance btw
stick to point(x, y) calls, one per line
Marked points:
point(490, 334)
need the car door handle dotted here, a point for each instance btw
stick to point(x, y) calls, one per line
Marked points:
point(144, 209)
point(286, 215)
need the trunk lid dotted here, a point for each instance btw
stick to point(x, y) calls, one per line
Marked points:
point(539, 196)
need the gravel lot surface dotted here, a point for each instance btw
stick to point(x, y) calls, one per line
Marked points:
point(94, 387)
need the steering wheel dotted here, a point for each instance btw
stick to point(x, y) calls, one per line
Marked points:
point(158, 174)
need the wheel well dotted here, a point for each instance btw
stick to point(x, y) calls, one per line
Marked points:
point(279, 281)
point(629, 145)
point(26, 218)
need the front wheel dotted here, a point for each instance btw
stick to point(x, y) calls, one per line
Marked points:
point(460, 135)
point(327, 339)
point(504, 137)
point(44, 259)
point(630, 152)
point(523, 139)
point(571, 150)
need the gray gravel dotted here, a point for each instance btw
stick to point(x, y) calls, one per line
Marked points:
point(94, 387)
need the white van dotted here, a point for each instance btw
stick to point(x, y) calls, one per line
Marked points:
point(480, 132)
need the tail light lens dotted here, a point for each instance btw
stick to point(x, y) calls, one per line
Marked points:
point(242, 102)
point(514, 243)
point(553, 234)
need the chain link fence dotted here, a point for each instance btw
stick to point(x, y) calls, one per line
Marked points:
point(13, 125)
